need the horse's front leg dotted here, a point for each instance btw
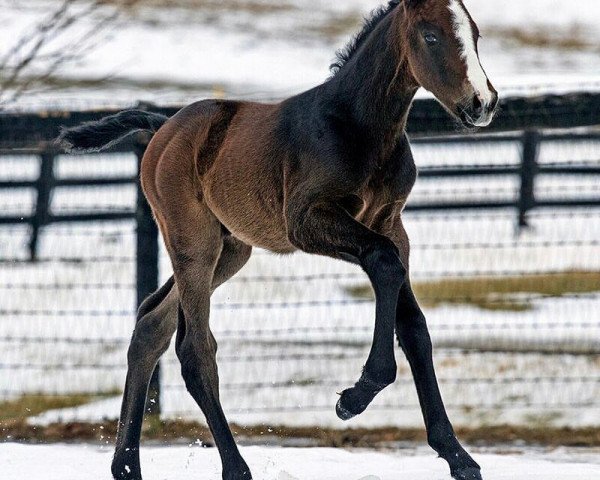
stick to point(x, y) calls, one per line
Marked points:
point(327, 229)
point(413, 336)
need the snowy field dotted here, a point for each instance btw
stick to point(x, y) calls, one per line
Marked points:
point(87, 462)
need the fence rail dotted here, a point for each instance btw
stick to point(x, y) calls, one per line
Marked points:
point(31, 131)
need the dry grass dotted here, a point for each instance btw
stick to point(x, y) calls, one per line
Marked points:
point(338, 26)
point(330, 27)
point(250, 6)
point(572, 39)
point(179, 431)
point(14, 427)
point(503, 293)
point(31, 405)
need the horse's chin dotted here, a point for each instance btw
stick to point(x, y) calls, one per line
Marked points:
point(466, 120)
point(469, 123)
point(460, 116)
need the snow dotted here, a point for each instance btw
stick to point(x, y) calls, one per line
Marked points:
point(90, 462)
point(272, 55)
point(536, 13)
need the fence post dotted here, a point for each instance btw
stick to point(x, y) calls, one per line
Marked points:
point(45, 182)
point(531, 142)
point(146, 263)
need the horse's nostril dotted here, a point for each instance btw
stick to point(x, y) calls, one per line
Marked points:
point(477, 106)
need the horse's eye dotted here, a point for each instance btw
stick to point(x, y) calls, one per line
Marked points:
point(431, 39)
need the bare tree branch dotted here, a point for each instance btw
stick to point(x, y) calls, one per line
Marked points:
point(52, 44)
point(40, 30)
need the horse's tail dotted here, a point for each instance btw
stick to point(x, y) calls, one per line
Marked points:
point(101, 134)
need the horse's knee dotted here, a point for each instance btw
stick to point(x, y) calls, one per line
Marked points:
point(156, 324)
point(198, 360)
point(150, 339)
point(141, 356)
point(156, 298)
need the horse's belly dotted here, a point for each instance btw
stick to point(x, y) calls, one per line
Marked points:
point(251, 213)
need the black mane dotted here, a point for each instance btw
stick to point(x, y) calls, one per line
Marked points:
point(371, 22)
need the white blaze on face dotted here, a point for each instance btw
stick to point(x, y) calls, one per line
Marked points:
point(475, 74)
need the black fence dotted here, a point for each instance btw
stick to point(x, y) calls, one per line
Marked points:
point(527, 124)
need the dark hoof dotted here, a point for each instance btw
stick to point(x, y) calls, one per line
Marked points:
point(342, 412)
point(236, 469)
point(239, 475)
point(470, 473)
point(126, 466)
point(355, 400)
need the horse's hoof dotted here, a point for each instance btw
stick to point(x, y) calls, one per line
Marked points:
point(342, 412)
point(353, 402)
point(126, 472)
point(470, 473)
point(236, 469)
point(239, 475)
point(126, 466)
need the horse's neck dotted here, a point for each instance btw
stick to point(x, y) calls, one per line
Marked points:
point(376, 85)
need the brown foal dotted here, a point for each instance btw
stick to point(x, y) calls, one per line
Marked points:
point(326, 172)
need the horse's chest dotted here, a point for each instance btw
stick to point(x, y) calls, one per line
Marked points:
point(390, 182)
point(384, 191)
point(391, 174)
point(377, 208)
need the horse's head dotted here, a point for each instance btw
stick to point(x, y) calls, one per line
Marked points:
point(441, 46)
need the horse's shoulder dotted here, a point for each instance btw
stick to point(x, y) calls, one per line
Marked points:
point(396, 174)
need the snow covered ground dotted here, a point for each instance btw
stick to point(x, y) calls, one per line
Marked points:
point(70, 332)
point(90, 462)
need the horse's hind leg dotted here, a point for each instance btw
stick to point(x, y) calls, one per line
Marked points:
point(195, 242)
point(157, 321)
point(234, 256)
